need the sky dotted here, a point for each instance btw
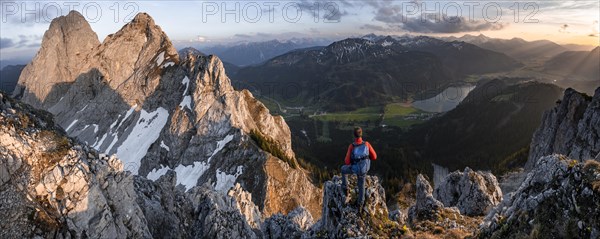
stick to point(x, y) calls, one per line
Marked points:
point(23, 23)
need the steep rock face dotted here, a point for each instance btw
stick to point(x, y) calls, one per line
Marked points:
point(572, 128)
point(342, 220)
point(64, 47)
point(168, 210)
point(426, 206)
point(51, 186)
point(219, 216)
point(560, 198)
point(473, 193)
point(429, 218)
point(134, 96)
point(292, 225)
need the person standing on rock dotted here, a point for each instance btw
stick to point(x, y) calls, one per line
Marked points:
point(358, 161)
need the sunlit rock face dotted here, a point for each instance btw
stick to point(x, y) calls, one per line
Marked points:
point(159, 111)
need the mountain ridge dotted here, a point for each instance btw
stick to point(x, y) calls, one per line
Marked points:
point(158, 111)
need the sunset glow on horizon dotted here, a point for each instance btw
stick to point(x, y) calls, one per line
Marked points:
point(222, 22)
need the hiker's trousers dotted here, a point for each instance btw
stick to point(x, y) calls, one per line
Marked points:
point(360, 169)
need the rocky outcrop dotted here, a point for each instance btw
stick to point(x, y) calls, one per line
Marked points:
point(292, 225)
point(426, 206)
point(342, 220)
point(168, 210)
point(473, 193)
point(219, 216)
point(134, 96)
point(560, 198)
point(511, 181)
point(53, 187)
point(572, 128)
point(429, 218)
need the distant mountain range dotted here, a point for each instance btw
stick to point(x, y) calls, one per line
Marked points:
point(251, 53)
point(518, 48)
point(356, 72)
point(576, 64)
point(9, 75)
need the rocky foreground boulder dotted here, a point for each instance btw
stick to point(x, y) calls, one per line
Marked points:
point(342, 219)
point(426, 206)
point(50, 186)
point(560, 198)
point(292, 225)
point(428, 217)
point(473, 193)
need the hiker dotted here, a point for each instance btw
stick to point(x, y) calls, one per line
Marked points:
point(358, 161)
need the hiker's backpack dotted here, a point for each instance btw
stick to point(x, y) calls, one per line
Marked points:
point(359, 152)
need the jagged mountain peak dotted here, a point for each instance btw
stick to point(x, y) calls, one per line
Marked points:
point(135, 97)
point(73, 20)
point(69, 38)
point(144, 24)
point(143, 36)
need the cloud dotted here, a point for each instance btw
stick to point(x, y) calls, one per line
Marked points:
point(389, 14)
point(242, 35)
point(314, 30)
point(334, 14)
point(563, 28)
point(372, 27)
point(595, 29)
point(447, 24)
point(392, 15)
point(330, 11)
point(6, 43)
point(23, 41)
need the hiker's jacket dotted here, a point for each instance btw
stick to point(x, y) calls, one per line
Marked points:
point(372, 154)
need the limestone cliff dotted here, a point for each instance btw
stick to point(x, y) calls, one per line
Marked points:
point(135, 96)
point(572, 128)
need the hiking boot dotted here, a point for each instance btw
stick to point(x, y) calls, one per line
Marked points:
point(345, 196)
point(361, 211)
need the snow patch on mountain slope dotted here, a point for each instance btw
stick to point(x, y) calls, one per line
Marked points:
point(170, 63)
point(160, 58)
point(71, 125)
point(226, 181)
point(99, 143)
point(145, 132)
point(186, 175)
point(186, 82)
point(220, 145)
point(112, 144)
point(186, 102)
point(85, 107)
point(164, 146)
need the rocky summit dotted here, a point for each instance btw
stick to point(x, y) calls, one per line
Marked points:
point(136, 97)
point(341, 218)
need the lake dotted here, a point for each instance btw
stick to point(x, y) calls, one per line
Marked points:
point(444, 101)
